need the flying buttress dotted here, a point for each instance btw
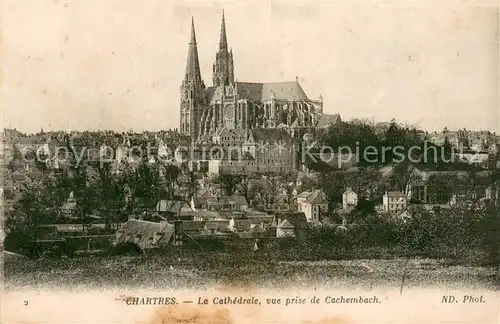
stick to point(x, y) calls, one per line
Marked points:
point(300, 110)
point(311, 113)
point(202, 123)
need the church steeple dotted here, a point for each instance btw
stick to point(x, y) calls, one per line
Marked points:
point(192, 90)
point(223, 68)
point(223, 36)
point(193, 63)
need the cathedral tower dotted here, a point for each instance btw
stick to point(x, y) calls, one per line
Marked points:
point(192, 90)
point(223, 68)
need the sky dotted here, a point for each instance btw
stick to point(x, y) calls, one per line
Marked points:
point(89, 65)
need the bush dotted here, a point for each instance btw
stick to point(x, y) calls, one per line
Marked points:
point(451, 234)
point(127, 248)
point(208, 243)
point(19, 242)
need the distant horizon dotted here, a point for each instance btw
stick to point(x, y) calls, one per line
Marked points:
point(90, 66)
point(401, 123)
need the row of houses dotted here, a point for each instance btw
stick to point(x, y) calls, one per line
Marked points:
point(148, 234)
point(224, 216)
point(417, 194)
point(478, 141)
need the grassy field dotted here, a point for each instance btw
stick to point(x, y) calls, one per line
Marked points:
point(223, 269)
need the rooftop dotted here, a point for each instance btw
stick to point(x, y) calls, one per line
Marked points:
point(289, 91)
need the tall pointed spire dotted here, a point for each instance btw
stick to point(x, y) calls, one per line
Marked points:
point(223, 37)
point(193, 35)
point(193, 64)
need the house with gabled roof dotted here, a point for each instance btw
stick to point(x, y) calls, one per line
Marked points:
point(288, 222)
point(174, 209)
point(145, 234)
point(285, 229)
point(262, 220)
point(312, 204)
point(328, 120)
point(349, 200)
point(239, 225)
point(301, 197)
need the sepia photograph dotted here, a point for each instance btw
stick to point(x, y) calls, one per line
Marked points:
point(250, 162)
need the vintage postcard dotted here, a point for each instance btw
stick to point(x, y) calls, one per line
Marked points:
point(250, 162)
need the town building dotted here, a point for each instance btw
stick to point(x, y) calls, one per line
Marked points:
point(223, 203)
point(290, 225)
point(174, 209)
point(145, 234)
point(313, 205)
point(394, 201)
point(349, 200)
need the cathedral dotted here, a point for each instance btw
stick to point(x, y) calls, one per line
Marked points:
point(230, 105)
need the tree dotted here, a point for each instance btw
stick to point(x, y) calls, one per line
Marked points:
point(393, 138)
point(490, 227)
point(270, 190)
point(17, 161)
point(308, 184)
point(403, 174)
point(145, 184)
point(191, 184)
point(85, 195)
point(30, 211)
point(110, 189)
point(441, 188)
point(333, 185)
point(473, 182)
point(447, 152)
point(58, 186)
point(245, 185)
point(170, 180)
point(229, 182)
